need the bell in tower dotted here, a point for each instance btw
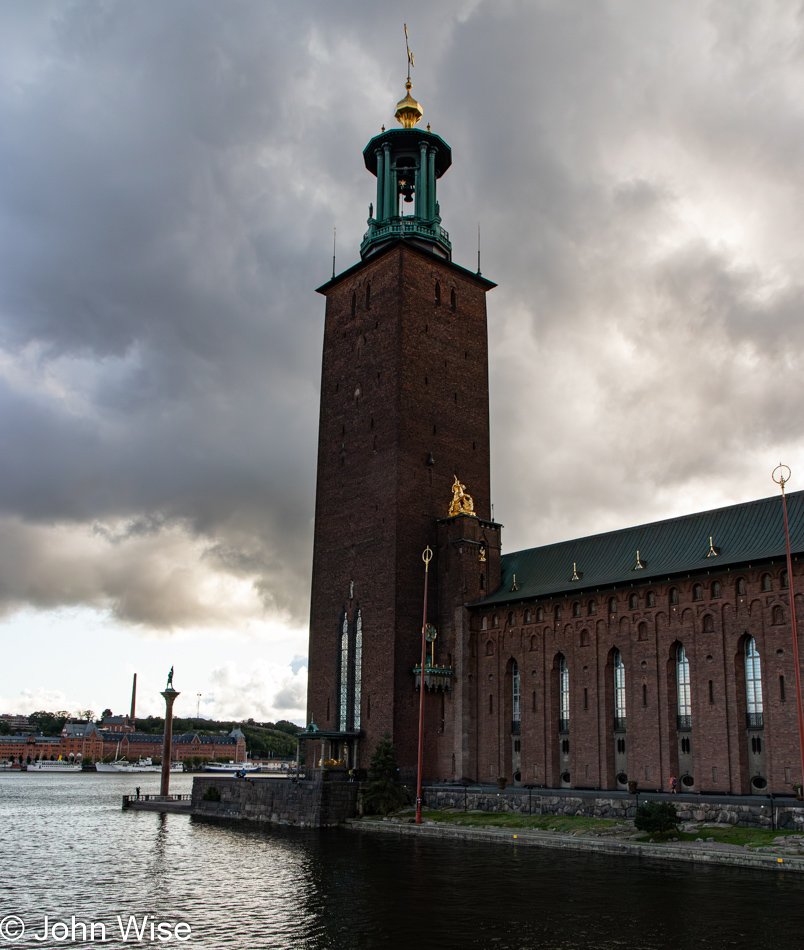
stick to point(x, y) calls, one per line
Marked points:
point(407, 162)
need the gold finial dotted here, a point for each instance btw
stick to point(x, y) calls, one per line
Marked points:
point(712, 551)
point(514, 587)
point(639, 565)
point(574, 573)
point(428, 126)
point(462, 503)
point(408, 111)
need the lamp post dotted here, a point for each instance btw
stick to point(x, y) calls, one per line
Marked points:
point(427, 556)
point(781, 474)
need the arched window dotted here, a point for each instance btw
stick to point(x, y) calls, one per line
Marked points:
point(489, 648)
point(528, 616)
point(778, 614)
point(515, 692)
point(576, 609)
point(697, 592)
point(642, 631)
point(438, 293)
point(767, 583)
point(484, 623)
point(540, 614)
point(591, 608)
point(557, 612)
point(742, 590)
point(714, 590)
point(511, 618)
point(673, 596)
point(563, 695)
point(358, 672)
point(495, 621)
point(753, 684)
point(584, 638)
point(344, 685)
point(612, 605)
point(683, 688)
point(708, 624)
point(619, 690)
point(783, 580)
point(644, 694)
point(453, 300)
point(633, 602)
point(650, 599)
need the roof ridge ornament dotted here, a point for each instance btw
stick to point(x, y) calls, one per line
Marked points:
point(514, 587)
point(575, 575)
point(639, 566)
point(713, 552)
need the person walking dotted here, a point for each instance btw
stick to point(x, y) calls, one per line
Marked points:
point(138, 793)
point(673, 790)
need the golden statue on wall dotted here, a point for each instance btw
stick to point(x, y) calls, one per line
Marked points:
point(462, 503)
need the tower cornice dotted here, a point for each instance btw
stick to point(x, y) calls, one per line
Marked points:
point(412, 249)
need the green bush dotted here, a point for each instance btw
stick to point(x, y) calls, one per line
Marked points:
point(211, 795)
point(382, 794)
point(659, 818)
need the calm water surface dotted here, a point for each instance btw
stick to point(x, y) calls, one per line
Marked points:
point(68, 850)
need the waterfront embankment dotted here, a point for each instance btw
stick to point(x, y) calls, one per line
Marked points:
point(787, 855)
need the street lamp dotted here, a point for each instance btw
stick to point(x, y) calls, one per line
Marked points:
point(781, 474)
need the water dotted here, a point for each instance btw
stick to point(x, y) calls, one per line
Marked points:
point(67, 849)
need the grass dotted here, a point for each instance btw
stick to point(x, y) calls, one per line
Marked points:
point(482, 819)
point(570, 824)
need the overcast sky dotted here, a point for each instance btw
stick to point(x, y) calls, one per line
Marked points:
point(170, 175)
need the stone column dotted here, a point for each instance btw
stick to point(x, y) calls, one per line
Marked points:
point(380, 184)
point(170, 695)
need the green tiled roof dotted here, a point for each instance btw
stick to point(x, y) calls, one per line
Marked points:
point(741, 534)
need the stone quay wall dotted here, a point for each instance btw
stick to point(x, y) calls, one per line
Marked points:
point(276, 801)
point(758, 813)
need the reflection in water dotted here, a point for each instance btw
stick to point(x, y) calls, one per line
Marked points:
point(69, 849)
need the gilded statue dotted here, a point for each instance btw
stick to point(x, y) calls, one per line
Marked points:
point(462, 503)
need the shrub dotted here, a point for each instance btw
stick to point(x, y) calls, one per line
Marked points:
point(656, 818)
point(382, 794)
point(211, 795)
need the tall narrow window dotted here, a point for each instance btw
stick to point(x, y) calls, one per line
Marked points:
point(515, 691)
point(358, 671)
point(438, 294)
point(563, 695)
point(781, 688)
point(344, 692)
point(753, 684)
point(644, 694)
point(619, 691)
point(683, 689)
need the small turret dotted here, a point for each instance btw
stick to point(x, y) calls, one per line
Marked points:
point(407, 163)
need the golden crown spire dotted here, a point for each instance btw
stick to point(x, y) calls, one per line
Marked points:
point(408, 111)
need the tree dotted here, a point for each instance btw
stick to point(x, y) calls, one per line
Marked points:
point(659, 818)
point(106, 714)
point(382, 794)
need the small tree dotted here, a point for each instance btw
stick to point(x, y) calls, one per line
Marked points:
point(382, 794)
point(658, 818)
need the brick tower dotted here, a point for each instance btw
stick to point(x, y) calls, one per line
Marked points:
point(404, 410)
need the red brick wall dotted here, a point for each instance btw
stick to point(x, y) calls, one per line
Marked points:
point(422, 373)
point(719, 736)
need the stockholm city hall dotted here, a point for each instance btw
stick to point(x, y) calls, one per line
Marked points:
point(643, 653)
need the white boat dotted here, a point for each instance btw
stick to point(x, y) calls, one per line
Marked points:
point(231, 768)
point(59, 766)
point(130, 768)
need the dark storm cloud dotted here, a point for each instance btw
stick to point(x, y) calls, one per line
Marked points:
point(169, 178)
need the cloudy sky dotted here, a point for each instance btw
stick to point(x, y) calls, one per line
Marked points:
point(170, 175)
